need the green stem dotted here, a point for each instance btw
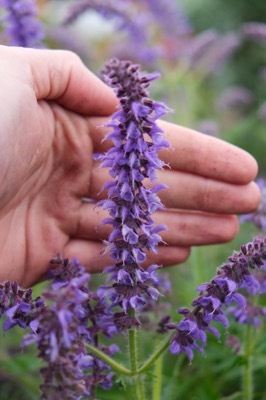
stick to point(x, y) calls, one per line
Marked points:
point(157, 353)
point(247, 372)
point(133, 353)
point(157, 386)
point(115, 365)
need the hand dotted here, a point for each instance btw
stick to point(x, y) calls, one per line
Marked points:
point(51, 109)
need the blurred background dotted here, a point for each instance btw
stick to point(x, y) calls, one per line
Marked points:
point(212, 58)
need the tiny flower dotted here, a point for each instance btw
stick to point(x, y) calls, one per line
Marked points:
point(22, 27)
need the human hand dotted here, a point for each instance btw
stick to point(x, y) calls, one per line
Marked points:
point(52, 107)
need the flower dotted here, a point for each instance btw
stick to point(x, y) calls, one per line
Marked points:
point(134, 157)
point(72, 316)
point(22, 27)
point(220, 292)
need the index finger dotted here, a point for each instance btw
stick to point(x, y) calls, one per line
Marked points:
point(60, 75)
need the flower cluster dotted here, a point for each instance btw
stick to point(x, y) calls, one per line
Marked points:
point(22, 26)
point(222, 290)
point(137, 140)
point(17, 305)
point(75, 316)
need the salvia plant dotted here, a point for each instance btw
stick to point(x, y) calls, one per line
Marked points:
point(80, 330)
point(73, 326)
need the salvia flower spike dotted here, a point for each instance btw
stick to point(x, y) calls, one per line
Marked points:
point(133, 158)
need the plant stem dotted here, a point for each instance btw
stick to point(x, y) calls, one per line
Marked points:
point(115, 365)
point(247, 372)
point(133, 354)
point(157, 386)
point(157, 353)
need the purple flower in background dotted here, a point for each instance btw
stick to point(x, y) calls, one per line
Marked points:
point(127, 18)
point(22, 27)
point(258, 217)
point(255, 31)
point(262, 111)
point(170, 16)
point(219, 53)
point(196, 47)
point(208, 126)
point(220, 292)
point(234, 97)
point(137, 140)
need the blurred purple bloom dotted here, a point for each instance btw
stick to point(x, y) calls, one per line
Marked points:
point(235, 96)
point(250, 315)
point(258, 217)
point(22, 27)
point(127, 18)
point(208, 126)
point(190, 332)
point(170, 15)
point(255, 31)
point(219, 53)
point(137, 140)
point(197, 46)
point(262, 111)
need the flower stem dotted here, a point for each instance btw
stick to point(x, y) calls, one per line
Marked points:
point(247, 372)
point(115, 366)
point(157, 353)
point(157, 385)
point(133, 353)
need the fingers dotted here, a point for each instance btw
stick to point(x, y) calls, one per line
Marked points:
point(61, 76)
point(195, 153)
point(184, 228)
point(90, 255)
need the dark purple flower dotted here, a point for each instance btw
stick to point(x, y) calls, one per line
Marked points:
point(220, 292)
point(22, 27)
point(75, 316)
point(17, 305)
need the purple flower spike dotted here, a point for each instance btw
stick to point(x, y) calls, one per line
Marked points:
point(220, 292)
point(134, 157)
point(22, 26)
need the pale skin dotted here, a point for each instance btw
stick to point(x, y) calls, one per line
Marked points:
point(51, 110)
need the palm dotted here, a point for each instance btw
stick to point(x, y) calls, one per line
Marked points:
point(42, 213)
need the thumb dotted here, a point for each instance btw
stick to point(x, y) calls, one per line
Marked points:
point(61, 76)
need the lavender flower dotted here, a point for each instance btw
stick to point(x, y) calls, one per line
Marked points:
point(22, 27)
point(222, 290)
point(170, 16)
point(208, 126)
point(18, 306)
point(233, 97)
point(262, 112)
point(255, 31)
point(130, 204)
point(127, 18)
point(61, 330)
point(258, 217)
point(197, 46)
point(219, 53)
